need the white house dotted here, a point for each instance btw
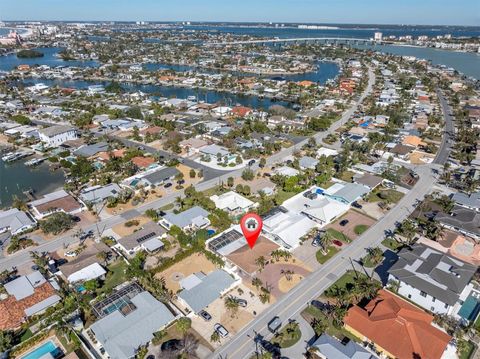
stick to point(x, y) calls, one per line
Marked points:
point(433, 280)
point(191, 219)
point(15, 221)
point(233, 203)
point(54, 136)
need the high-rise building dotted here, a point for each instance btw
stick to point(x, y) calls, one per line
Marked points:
point(378, 36)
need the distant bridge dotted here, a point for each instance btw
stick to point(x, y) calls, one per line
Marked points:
point(336, 40)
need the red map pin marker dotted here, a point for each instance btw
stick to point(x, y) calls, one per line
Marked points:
point(251, 225)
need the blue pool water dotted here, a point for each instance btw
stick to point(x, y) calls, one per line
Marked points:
point(211, 232)
point(46, 348)
point(470, 308)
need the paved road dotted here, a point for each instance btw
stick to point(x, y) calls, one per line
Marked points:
point(289, 306)
point(445, 147)
point(23, 257)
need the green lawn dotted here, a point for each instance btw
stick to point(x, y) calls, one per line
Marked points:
point(385, 195)
point(338, 235)
point(368, 262)
point(288, 336)
point(168, 207)
point(468, 351)
point(347, 176)
point(282, 196)
point(322, 258)
point(360, 229)
point(27, 334)
point(346, 281)
point(392, 244)
point(115, 276)
point(311, 312)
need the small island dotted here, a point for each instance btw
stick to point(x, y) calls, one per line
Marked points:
point(29, 54)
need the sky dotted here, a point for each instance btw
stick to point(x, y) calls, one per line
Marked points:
point(411, 12)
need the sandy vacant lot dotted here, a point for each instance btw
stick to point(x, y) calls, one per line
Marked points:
point(123, 230)
point(197, 262)
point(245, 257)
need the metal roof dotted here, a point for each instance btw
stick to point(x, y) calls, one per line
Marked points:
point(121, 335)
point(208, 290)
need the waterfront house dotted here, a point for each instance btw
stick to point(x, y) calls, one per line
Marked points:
point(97, 194)
point(58, 201)
point(54, 136)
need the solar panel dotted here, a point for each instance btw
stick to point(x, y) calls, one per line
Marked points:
point(146, 236)
point(224, 240)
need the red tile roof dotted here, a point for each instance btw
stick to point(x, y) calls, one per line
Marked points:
point(143, 162)
point(12, 311)
point(398, 327)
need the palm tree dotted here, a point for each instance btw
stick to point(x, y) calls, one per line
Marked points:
point(103, 256)
point(257, 282)
point(190, 346)
point(231, 304)
point(215, 337)
point(393, 285)
point(319, 326)
point(325, 241)
point(261, 262)
point(6, 339)
point(264, 295)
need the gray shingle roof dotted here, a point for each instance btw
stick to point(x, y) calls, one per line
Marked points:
point(13, 219)
point(187, 217)
point(331, 348)
point(56, 130)
point(471, 201)
point(462, 219)
point(209, 289)
point(149, 231)
point(121, 335)
point(99, 194)
point(91, 150)
point(161, 176)
point(433, 272)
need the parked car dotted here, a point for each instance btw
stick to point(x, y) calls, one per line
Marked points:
point(182, 181)
point(70, 254)
point(171, 345)
point(344, 222)
point(274, 324)
point(251, 162)
point(241, 302)
point(205, 315)
point(357, 205)
point(337, 243)
point(221, 330)
point(316, 241)
point(167, 185)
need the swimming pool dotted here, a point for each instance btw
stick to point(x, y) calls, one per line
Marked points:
point(46, 348)
point(470, 308)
